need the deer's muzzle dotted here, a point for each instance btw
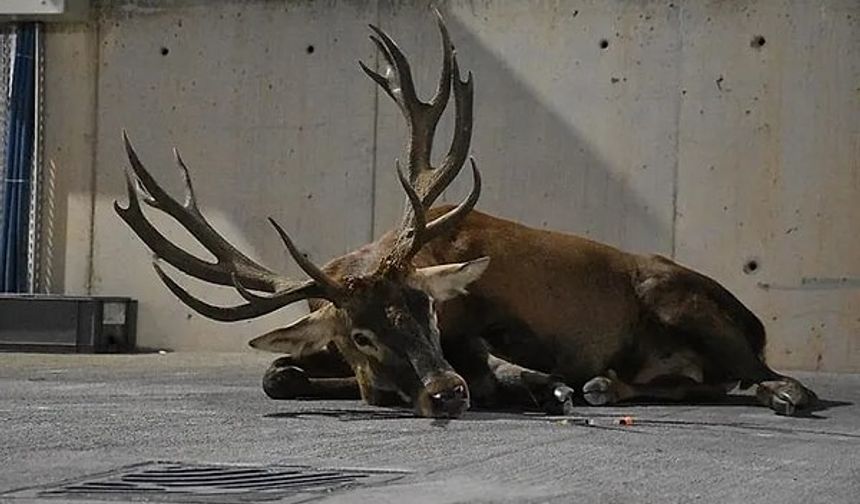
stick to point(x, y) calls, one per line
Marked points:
point(444, 395)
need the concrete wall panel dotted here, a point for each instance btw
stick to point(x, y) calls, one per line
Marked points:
point(71, 55)
point(260, 100)
point(769, 179)
point(569, 135)
point(718, 132)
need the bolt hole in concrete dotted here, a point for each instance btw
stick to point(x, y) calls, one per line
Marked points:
point(165, 51)
point(310, 49)
point(751, 266)
point(604, 44)
point(757, 42)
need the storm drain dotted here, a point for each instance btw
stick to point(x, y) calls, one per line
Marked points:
point(184, 482)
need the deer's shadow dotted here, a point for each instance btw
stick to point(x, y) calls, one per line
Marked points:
point(351, 414)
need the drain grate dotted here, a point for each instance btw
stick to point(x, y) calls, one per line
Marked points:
point(186, 482)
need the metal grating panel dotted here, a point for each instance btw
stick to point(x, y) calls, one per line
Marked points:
point(34, 223)
point(7, 42)
point(217, 483)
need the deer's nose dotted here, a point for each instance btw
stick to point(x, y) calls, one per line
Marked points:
point(449, 396)
point(457, 393)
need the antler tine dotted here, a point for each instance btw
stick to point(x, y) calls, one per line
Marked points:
point(257, 307)
point(422, 117)
point(462, 138)
point(425, 183)
point(303, 290)
point(326, 284)
point(418, 232)
point(409, 235)
point(189, 216)
point(443, 89)
point(400, 81)
point(383, 82)
point(232, 268)
point(449, 220)
point(190, 199)
point(162, 247)
point(413, 234)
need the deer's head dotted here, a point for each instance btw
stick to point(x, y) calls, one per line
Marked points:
point(383, 320)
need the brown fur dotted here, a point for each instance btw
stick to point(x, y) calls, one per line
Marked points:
point(575, 310)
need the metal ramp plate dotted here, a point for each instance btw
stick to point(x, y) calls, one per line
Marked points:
point(209, 483)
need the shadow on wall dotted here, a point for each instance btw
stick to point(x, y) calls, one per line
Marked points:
point(549, 136)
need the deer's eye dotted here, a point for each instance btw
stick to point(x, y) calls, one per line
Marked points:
point(362, 339)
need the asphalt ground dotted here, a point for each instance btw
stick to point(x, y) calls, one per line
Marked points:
point(68, 416)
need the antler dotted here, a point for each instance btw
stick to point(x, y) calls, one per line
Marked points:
point(231, 267)
point(424, 183)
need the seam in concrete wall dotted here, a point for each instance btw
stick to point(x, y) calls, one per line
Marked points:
point(375, 143)
point(679, 61)
point(93, 169)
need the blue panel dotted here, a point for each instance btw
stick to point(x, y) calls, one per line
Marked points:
point(19, 158)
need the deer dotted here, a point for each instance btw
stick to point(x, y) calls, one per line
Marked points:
point(454, 308)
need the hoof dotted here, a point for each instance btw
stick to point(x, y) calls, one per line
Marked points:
point(560, 401)
point(782, 404)
point(787, 397)
point(287, 382)
point(599, 391)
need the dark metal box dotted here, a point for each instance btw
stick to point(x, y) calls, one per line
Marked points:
point(70, 324)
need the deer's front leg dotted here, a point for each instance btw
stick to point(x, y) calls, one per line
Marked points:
point(322, 375)
point(495, 383)
point(547, 392)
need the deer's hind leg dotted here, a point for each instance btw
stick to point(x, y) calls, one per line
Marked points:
point(321, 375)
point(721, 329)
point(611, 389)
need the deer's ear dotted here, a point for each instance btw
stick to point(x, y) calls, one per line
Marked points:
point(446, 281)
point(309, 334)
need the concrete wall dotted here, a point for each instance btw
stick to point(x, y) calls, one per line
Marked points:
point(720, 133)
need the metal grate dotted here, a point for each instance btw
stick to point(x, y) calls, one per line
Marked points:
point(7, 43)
point(184, 482)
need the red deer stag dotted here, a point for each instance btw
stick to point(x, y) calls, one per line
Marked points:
point(393, 324)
